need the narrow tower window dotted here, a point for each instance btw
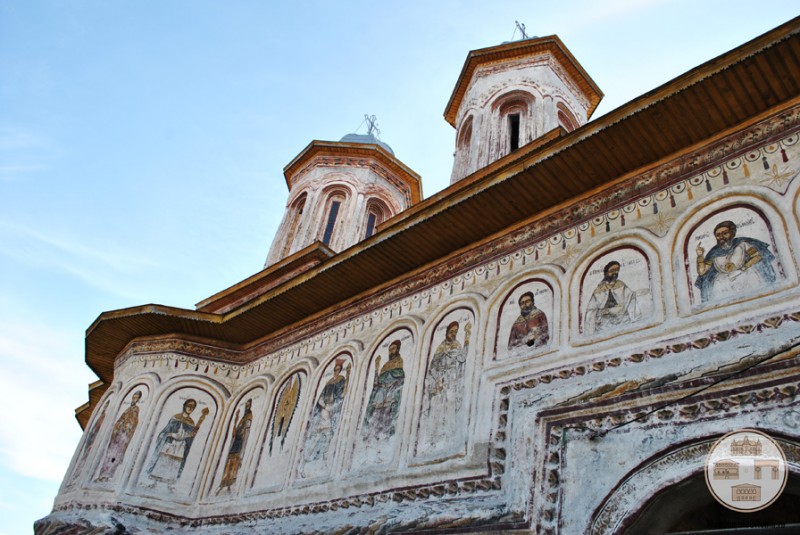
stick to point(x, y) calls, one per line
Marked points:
point(513, 132)
point(372, 219)
point(334, 211)
point(376, 214)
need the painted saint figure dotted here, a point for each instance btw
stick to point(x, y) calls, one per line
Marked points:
point(91, 435)
point(384, 400)
point(733, 264)
point(238, 441)
point(444, 385)
point(174, 443)
point(612, 303)
point(121, 436)
point(530, 328)
point(326, 414)
point(286, 405)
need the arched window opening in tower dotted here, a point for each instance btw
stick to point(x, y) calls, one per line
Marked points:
point(296, 215)
point(513, 126)
point(376, 214)
point(330, 223)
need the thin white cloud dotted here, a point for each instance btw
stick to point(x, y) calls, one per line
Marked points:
point(12, 172)
point(16, 139)
point(98, 268)
point(38, 437)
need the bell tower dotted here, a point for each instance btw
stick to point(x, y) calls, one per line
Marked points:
point(340, 192)
point(509, 95)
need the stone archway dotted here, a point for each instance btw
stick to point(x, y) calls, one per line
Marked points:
point(668, 494)
point(688, 508)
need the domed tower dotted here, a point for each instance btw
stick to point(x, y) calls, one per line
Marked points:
point(510, 94)
point(339, 192)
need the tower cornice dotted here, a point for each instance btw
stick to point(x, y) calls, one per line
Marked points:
point(519, 49)
point(339, 149)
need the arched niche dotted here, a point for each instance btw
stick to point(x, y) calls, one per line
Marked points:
point(444, 406)
point(385, 393)
point(617, 291)
point(80, 460)
point(172, 462)
point(730, 253)
point(318, 453)
point(238, 441)
point(526, 317)
point(278, 443)
point(125, 423)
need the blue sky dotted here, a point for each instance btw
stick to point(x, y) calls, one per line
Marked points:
point(142, 145)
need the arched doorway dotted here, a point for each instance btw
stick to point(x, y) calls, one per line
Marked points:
point(668, 495)
point(689, 508)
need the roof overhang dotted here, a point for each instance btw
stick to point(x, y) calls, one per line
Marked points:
point(519, 49)
point(339, 149)
point(266, 279)
point(717, 98)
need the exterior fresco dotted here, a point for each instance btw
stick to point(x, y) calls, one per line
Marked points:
point(282, 431)
point(122, 433)
point(386, 381)
point(323, 424)
point(611, 304)
point(240, 441)
point(443, 418)
point(524, 324)
point(86, 448)
point(171, 466)
point(734, 255)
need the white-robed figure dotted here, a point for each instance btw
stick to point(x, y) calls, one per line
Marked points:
point(444, 388)
point(612, 303)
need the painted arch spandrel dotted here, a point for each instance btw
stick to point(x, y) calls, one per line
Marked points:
point(324, 422)
point(118, 446)
point(179, 444)
point(386, 387)
point(525, 322)
point(616, 293)
point(729, 255)
point(281, 436)
point(240, 444)
point(443, 418)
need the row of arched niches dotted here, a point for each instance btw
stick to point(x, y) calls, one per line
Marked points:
point(403, 389)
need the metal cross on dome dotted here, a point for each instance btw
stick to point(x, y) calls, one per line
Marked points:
point(372, 125)
point(521, 28)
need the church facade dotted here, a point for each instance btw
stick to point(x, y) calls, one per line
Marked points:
point(550, 345)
